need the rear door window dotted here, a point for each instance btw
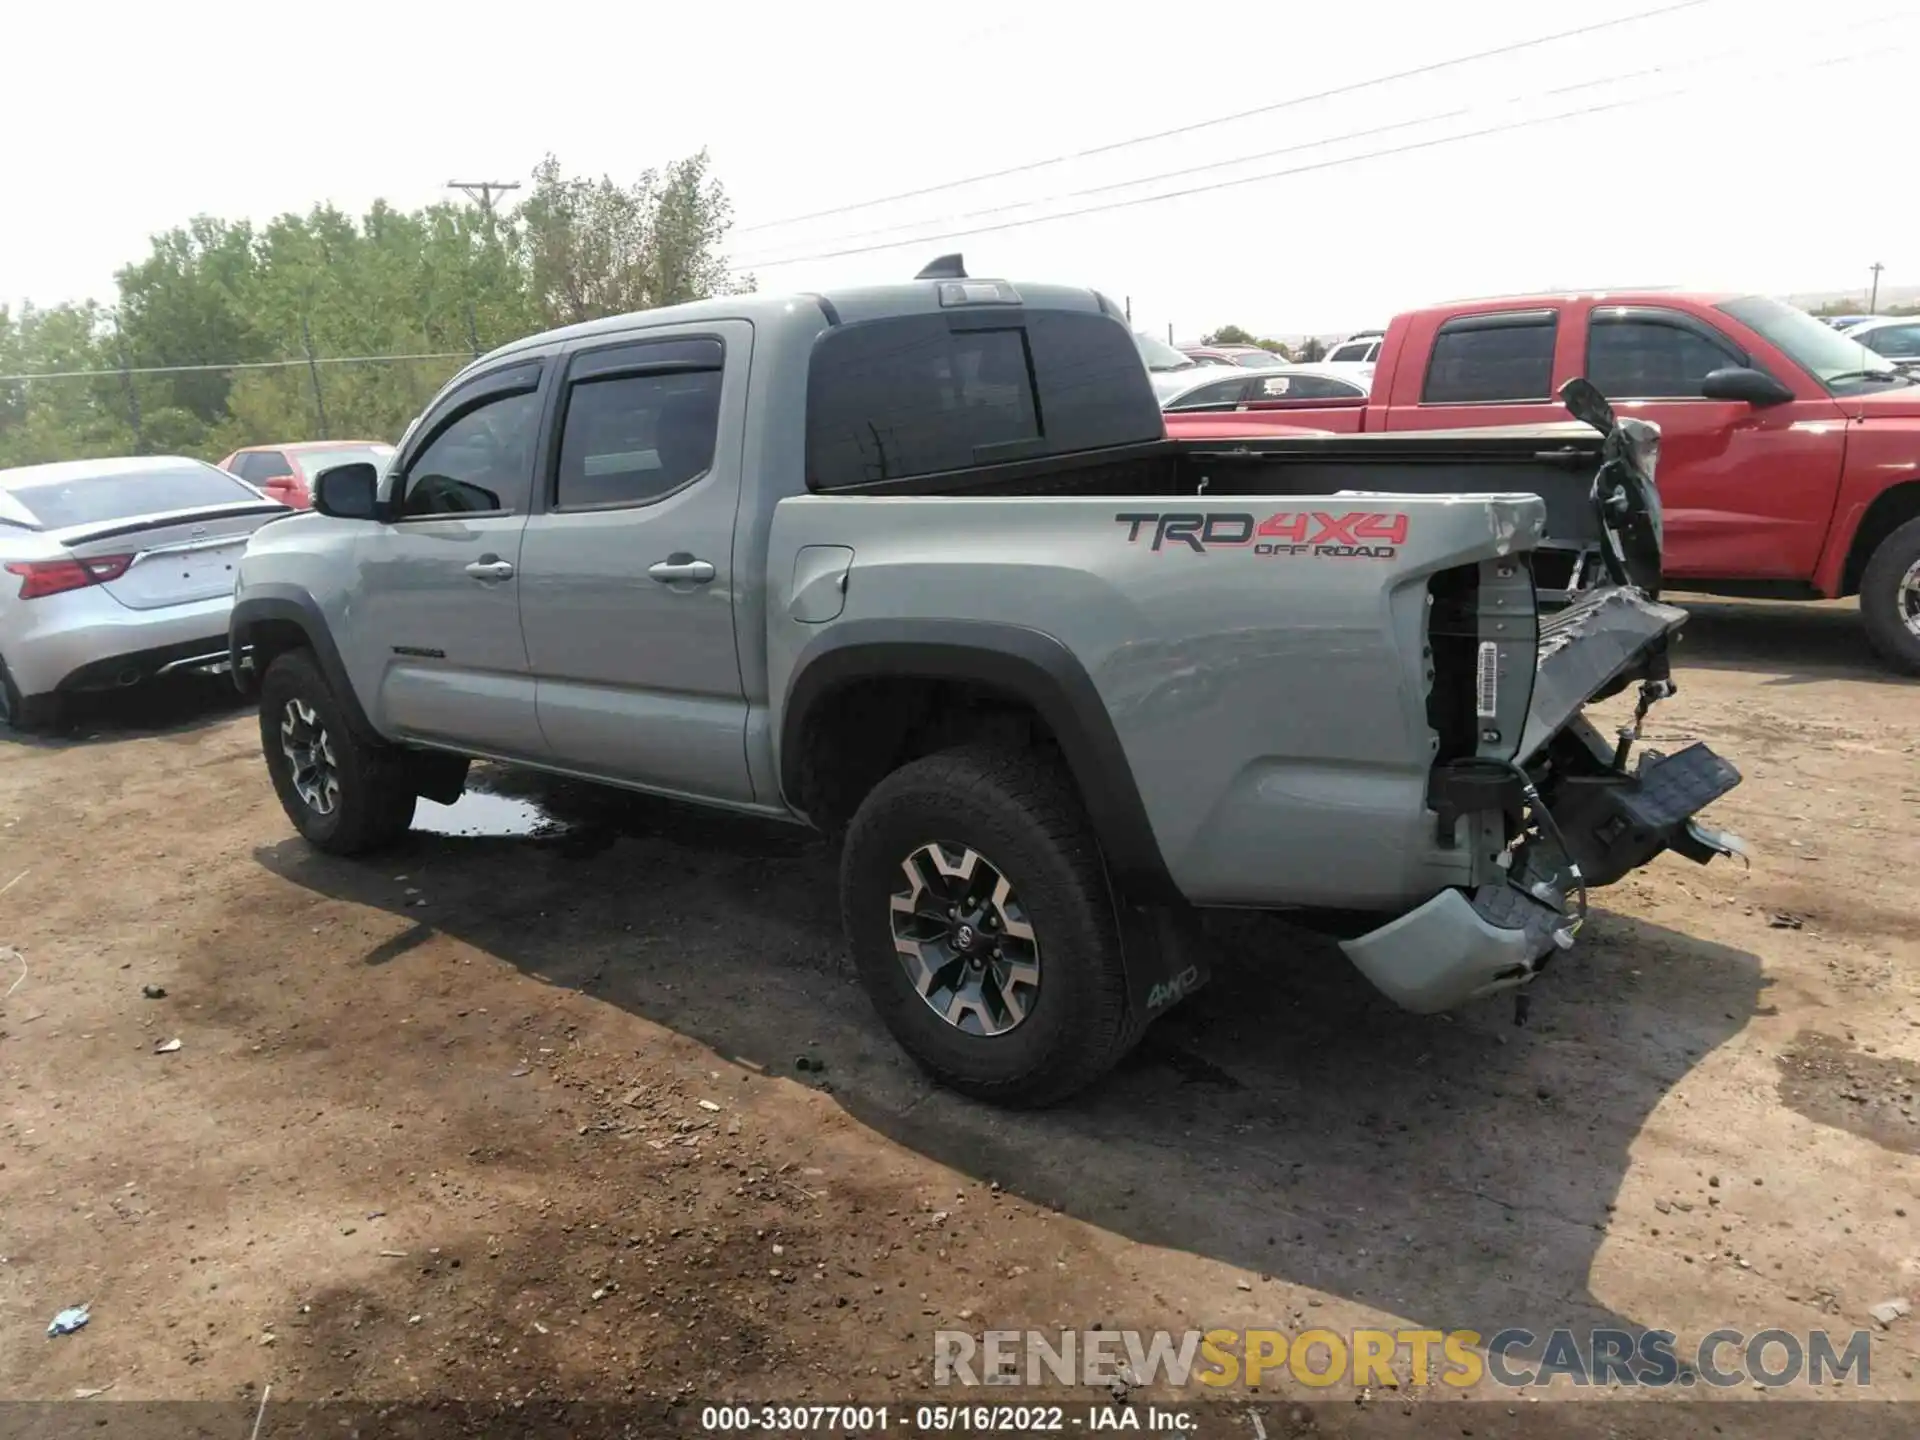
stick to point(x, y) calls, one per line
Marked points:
point(1485, 359)
point(634, 439)
point(99, 499)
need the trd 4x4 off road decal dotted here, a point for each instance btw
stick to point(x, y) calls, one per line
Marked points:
point(1359, 534)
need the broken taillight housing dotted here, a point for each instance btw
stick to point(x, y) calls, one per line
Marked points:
point(40, 578)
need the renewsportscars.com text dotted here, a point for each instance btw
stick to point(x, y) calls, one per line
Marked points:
point(1461, 1359)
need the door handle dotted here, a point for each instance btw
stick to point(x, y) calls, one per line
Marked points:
point(491, 569)
point(682, 567)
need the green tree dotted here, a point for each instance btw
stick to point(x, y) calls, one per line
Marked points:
point(1311, 351)
point(244, 322)
point(1229, 335)
point(596, 247)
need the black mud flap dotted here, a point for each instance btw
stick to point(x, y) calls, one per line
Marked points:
point(1166, 955)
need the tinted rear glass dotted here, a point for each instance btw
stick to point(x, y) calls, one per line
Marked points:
point(98, 499)
point(912, 396)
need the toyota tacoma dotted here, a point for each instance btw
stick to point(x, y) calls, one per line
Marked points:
point(917, 565)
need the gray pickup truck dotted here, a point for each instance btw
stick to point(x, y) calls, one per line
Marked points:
point(916, 564)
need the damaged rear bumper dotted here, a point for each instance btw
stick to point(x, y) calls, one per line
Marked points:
point(1569, 812)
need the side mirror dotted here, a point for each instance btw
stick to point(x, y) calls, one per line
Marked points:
point(348, 492)
point(1737, 382)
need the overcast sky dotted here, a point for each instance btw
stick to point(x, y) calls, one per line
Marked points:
point(1740, 158)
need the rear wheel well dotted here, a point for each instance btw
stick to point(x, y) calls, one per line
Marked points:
point(1891, 509)
point(864, 730)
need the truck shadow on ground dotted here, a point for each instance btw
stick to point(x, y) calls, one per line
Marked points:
point(1456, 1171)
point(1798, 643)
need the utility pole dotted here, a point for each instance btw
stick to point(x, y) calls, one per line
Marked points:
point(1129, 309)
point(126, 384)
point(313, 373)
point(1873, 300)
point(481, 192)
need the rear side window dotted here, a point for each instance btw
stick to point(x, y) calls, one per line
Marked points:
point(1347, 354)
point(1221, 395)
point(258, 465)
point(926, 394)
point(1637, 356)
point(1305, 387)
point(633, 439)
point(1896, 342)
point(892, 399)
point(99, 499)
point(1480, 359)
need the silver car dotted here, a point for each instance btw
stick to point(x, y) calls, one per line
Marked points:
point(1170, 371)
point(1892, 337)
point(115, 571)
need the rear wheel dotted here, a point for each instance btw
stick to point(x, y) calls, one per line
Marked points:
point(21, 713)
point(980, 920)
point(1890, 598)
point(345, 795)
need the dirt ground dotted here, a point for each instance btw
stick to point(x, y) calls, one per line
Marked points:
point(520, 1116)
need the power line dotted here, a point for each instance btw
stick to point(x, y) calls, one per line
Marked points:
point(233, 365)
point(1186, 171)
point(1335, 163)
point(1190, 128)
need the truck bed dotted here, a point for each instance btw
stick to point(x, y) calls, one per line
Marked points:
point(1555, 461)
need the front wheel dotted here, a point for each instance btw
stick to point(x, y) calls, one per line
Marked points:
point(980, 920)
point(1890, 598)
point(345, 795)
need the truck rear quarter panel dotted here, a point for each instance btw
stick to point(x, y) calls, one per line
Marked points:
point(1269, 695)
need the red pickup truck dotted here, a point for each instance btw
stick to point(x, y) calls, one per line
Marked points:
point(1789, 455)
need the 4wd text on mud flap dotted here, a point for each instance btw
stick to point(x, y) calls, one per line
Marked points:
point(1168, 991)
point(1359, 534)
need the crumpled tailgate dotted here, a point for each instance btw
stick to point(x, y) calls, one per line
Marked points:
point(1604, 635)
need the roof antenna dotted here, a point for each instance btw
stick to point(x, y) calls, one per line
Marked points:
point(947, 267)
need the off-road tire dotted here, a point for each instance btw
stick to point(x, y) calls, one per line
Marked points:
point(1881, 601)
point(375, 802)
point(21, 714)
point(1019, 811)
